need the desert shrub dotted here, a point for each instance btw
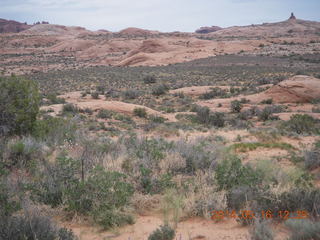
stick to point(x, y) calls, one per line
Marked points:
point(160, 90)
point(156, 119)
point(297, 199)
point(95, 95)
point(54, 179)
point(70, 108)
point(140, 112)
point(101, 89)
point(303, 229)
point(250, 146)
point(100, 194)
point(131, 94)
point(164, 232)
point(245, 115)
point(54, 131)
point(240, 123)
point(238, 196)
point(312, 159)
point(316, 109)
point(7, 203)
point(109, 192)
point(112, 93)
point(266, 113)
point(217, 119)
point(105, 114)
point(267, 101)
point(197, 156)
point(86, 110)
point(149, 79)
point(236, 106)
point(53, 99)
point(230, 173)
point(19, 105)
point(244, 100)
point(109, 218)
point(150, 151)
point(300, 124)
point(32, 227)
point(151, 184)
point(23, 151)
point(261, 230)
point(205, 116)
point(266, 135)
point(263, 81)
point(213, 93)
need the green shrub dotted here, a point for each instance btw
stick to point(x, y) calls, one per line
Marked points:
point(19, 105)
point(105, 114)
point(140, 112)
point(312, 159)
point(95, 95)
point(55, 180)
point(164, 232)
point(316, 109)
point(109, 192)
point(8, 205)
point(24, 151)
point(32, 227)
point(160, 89)
point(236, 106)
point(70, 108)
point(53, 99)
point(198, 156)
point(54, 131)
point(261, 230)
point(131, 94)
point(300, 124)
point(156, 119)
point(303, 229)
point(244, 147)
point(215, 92)
point(149, 79)
point(205, 116)
point(101, 89)
point(99, 193)
point(230, 173)
point(267, 101)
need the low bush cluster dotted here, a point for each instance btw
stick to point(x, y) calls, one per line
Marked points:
point(205, 116)
point(101, 194)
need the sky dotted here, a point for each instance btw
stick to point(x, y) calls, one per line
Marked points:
point(161, 15)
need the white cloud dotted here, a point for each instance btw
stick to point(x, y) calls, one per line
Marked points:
point(164, 15)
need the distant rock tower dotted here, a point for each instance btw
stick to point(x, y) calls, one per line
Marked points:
point(292, 17)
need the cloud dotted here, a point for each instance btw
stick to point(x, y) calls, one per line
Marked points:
point(163, 15)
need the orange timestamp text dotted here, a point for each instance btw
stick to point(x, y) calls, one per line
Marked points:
point(268, 214)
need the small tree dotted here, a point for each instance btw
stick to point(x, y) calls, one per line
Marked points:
point(19, 105)
point(236, 106)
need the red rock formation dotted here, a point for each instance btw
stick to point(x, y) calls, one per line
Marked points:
point(292, 17)
point(9, 26)
point(204, 30)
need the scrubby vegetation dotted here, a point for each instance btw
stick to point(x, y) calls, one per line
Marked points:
point(183, 160)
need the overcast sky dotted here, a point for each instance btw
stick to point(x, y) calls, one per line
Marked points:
point(162, 15)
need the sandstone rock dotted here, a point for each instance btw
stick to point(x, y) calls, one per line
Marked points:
point(292, 17)
point(9, 26)
point(204, 30)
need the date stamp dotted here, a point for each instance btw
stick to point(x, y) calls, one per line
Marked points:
point(267, 214)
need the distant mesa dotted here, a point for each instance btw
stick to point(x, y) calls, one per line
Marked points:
point(292, 17)
point(204, 30)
